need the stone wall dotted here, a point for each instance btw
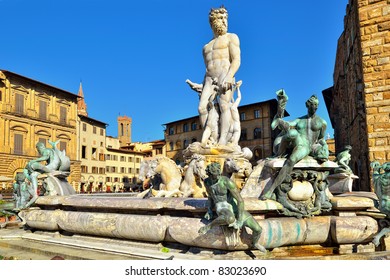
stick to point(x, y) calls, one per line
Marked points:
point(374, 19)
point(358, 103)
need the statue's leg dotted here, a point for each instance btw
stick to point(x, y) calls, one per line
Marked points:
point(256, 232)
point(225, 217)
point(204, 100)
point(36, 166)
point(299, 152)
point(225, 118)
point(286, 170)
point(33, 191)
point(378, 236)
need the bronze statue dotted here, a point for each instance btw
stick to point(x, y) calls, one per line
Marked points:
point(381, 178)
point(298, 139)
point(223, 194)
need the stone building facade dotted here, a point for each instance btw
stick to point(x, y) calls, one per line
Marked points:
point(256, 132)
point(91, 135)
point(31, 112)
point(122, 166)
point(92, 149)
point(359, 100)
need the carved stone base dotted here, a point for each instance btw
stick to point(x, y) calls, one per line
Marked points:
point(341, 182)
point(220, 153)
point(179, 220)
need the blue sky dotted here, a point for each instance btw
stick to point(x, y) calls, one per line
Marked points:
point(133, 57)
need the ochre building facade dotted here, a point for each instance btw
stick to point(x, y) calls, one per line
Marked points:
point(31, 112)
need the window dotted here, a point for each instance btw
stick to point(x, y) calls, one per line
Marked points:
point(131, 159)
point(123, 170)
point(185, 127)
point(242, 116)
point(256, 114)
point(101, 157)
point(101, 132)
point(94, 170)
point(123, 158)
point(19, 103)
point(129, 170)
point(108, 179)
point(194, 126)
point(101, 144)
point(63, 115)
point(94, 153)
point(171, 146)
point(42, 140)
point(101, 170)
point(63, 145)
point(193, 140)
point(83, 151)
point(107, 169)
point(84, 169)
point(108, 157)
point(137, 160)
point(243, 135)
point(171, 130)
point(122, 130)
point(84, 127)
point(18, 144)
point(257, 133)
point(42, 110)
point(94, 130)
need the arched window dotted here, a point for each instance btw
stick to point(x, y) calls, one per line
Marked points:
point(257, 133)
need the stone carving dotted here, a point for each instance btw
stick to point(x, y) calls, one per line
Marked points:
point(54, 172)
point(222, 59)
point(192, 184)
point(298, 139)
point(381, 178)
point(230, 167)
point(224, 195)
point(297, 196)
point(211, 128)
point(165, 177)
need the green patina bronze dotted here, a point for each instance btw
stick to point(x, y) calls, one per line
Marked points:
point(224, 195)
point(381, 178)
